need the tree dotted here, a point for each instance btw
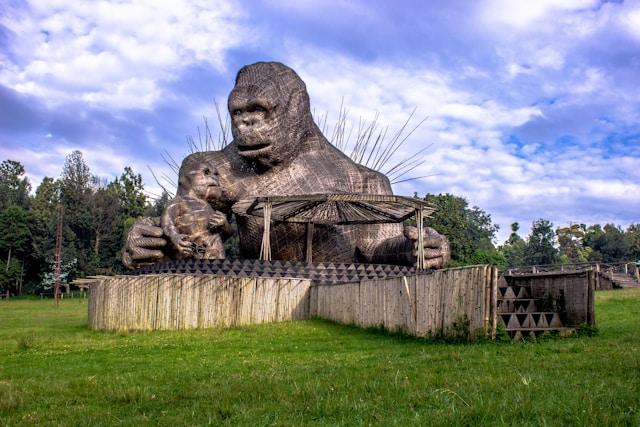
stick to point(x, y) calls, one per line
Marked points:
point(470, 230)
point(592, 233)
point(108, 229)
point(632, 236)
point(14, 231)
point(159, 204)
point(76, 195)
point(14, 188)
point(130, 190)
point(514, 248)
point(514, 237)
point(11, 276)
point(609, 244)
point(571, 241)
point(44, 211)
point(540, 247)
point(14, 244)
point(16, 218)
point(44, 214)
point(49, 278)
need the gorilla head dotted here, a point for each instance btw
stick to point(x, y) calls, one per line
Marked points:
point(198, 178)
point(270, 113)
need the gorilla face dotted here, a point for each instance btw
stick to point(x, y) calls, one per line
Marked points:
point(270, 113)
point(205, 184)
point(255, 121)
point(199, 179)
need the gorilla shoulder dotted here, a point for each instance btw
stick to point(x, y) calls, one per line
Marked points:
point(374, 182)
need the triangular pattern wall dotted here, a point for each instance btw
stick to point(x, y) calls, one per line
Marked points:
point(523, 316)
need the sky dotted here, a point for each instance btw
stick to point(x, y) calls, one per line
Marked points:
point(532, 108)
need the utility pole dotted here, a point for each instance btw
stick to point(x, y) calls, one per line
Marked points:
point(58, 255)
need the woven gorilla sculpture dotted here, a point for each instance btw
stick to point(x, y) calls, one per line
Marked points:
point(278, 150)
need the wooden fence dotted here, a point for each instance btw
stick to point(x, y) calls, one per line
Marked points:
point(183, 302)
point(453, 302)
point(459, 301)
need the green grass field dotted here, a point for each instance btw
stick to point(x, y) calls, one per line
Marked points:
point(53, 370)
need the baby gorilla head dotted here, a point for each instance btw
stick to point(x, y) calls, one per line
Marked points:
point(199, 179)
point(270, 113)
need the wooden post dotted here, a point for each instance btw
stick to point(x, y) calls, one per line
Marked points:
point(591, 288)
point(265, 250)
point(58, 254)
point(494, 301)
point(309, 245)
point(420, 252)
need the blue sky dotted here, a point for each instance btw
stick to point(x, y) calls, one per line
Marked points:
point(534, 107)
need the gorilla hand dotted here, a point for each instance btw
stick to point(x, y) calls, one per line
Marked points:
point(182, 244)
point(402, 249)
point(436, 247)
point(144, 243)
point(218, 222)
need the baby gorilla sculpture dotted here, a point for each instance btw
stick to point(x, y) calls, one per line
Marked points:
point(278, 150)
point(190, 223)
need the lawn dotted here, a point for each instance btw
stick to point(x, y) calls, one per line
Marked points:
point(53, 370)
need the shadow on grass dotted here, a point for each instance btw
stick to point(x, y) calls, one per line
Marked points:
point(502, 338)
point(398, 336)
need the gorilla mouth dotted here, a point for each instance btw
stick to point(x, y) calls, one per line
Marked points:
point(252, 148)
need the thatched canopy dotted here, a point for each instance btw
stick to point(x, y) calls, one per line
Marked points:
point(335, 209)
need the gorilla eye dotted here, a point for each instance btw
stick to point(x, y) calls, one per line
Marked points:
point(206, 172)
point(237, 112)
point(259, 109)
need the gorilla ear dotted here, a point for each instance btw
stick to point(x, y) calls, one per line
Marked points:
point(299, 107)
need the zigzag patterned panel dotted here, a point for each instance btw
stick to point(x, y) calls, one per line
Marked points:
point(320, 273)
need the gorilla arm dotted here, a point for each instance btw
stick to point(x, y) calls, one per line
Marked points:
point(395, 244)
point(179, 241)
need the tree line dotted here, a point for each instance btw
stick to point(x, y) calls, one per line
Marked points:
point(98, 214)
point(472, 234)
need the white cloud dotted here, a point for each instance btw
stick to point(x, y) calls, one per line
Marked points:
point(549, 57)
point(589, 81)
point(524, 13)
point(631, 20)
point(490, 114)
point(114, 54)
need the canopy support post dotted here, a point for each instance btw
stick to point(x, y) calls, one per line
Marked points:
point(265, 249)
point(420, 242)
point(309, 247)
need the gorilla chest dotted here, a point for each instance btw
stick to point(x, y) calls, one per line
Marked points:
point(298, 179)
point(288, 240)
